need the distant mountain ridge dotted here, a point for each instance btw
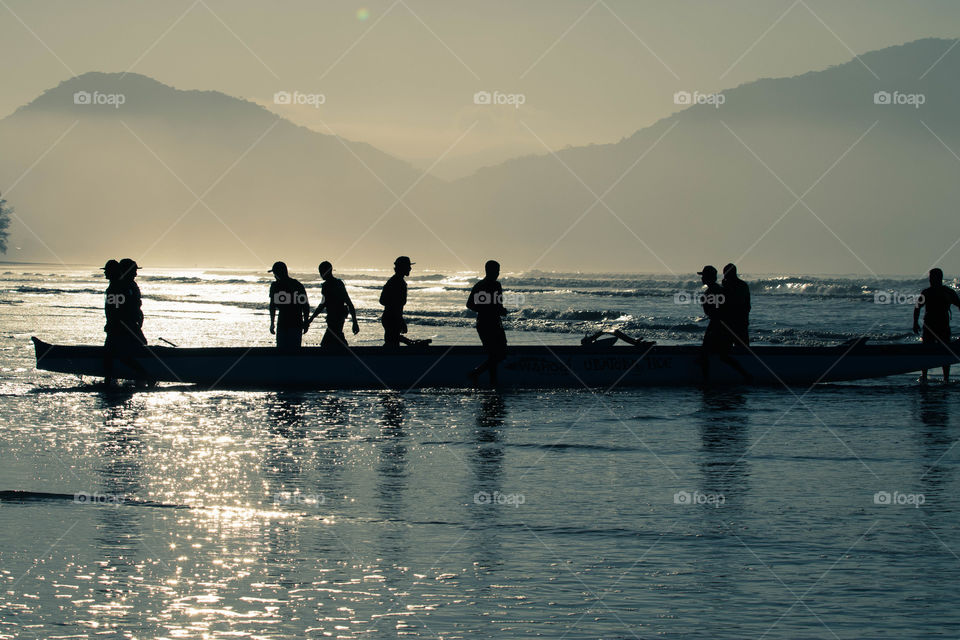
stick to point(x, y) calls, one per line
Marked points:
point(706, 184)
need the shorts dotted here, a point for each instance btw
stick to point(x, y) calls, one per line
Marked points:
point(289, 338)
point(392, 328)
point(938, 333)
point(494, 340)
point(717, 340)
point(124, 339)
point(333, 336)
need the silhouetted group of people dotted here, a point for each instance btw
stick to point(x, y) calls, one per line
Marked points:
point(726, 304)
point(290, 315)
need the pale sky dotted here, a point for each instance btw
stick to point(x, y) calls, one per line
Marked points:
point(401, 74)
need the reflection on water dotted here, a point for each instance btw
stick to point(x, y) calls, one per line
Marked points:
point(936, 440)
point(486, 464)
point(392, 457)
point(486, 460)
point(357, 515)
point(724, 443)
point(286, 414)
point(121, 537)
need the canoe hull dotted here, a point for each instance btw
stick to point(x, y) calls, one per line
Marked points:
point(533, 367)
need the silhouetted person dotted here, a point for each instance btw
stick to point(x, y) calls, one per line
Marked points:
point(718, 339)
point(937, 299)
point(393, 297)
point(131, 312)
point(124, 318)
point(336, 302)
point(111, 310)
point(288, 298)
point(736, 306)
point(486, 299)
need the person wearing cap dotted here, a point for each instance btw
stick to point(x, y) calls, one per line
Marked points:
point(486, 300)
point(716, 339)
point(288, 299)
point(736, 306)
point(393, 297)
point(336, 301)
point(937, 299)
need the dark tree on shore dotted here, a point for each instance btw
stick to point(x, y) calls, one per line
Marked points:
point(5, 212)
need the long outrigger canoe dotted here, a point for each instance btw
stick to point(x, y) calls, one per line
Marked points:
point(597, 365)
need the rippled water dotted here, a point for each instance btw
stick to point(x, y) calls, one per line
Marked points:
point(647, 513)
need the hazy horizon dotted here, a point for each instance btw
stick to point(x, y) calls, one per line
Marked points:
point(591, 72)
point(428, 270)
point(394, 148)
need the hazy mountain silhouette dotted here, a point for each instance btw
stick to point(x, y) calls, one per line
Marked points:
point(112, 184)
point(698, 195)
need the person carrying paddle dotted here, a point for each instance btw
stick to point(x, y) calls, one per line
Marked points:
point(486, 299)
point(937, 298)
point(288, 298)
point(336, 301)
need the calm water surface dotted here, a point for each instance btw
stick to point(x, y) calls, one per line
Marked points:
point(655, 513)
